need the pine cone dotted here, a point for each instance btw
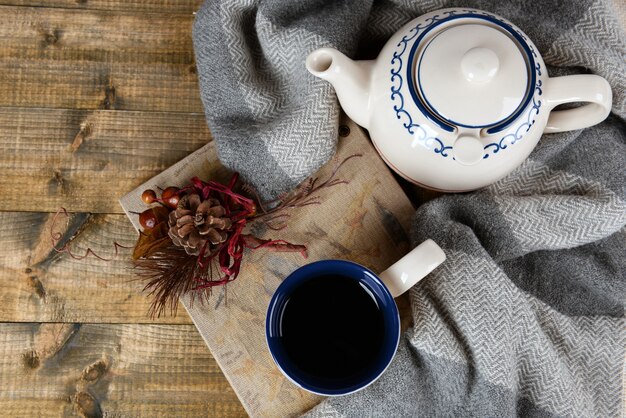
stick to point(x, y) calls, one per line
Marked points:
point(196, 222)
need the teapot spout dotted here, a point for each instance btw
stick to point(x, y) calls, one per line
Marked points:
point(351, 80)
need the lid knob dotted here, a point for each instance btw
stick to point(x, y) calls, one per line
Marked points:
point(479, 64)
point(468, 150)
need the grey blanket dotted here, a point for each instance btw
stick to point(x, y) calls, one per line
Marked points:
point(526, 317)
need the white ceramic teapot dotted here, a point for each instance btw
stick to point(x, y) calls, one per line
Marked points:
point(458, 98)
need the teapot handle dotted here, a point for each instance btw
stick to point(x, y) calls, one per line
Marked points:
point(577, 88)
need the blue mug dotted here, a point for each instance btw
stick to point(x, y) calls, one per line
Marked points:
point(382, 289)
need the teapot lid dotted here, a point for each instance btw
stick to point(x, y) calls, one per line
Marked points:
point(472, 75)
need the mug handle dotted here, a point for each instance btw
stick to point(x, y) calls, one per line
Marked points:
point(413, 267)
point(577, 88)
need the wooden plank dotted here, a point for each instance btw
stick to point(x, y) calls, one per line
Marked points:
point(39, 285)
point(85, 160)
point(365, 221)
point(88, 59)
point(152, 6)
point(110, 370)
point(43, 33)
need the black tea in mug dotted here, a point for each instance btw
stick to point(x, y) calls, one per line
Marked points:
point(332, 329)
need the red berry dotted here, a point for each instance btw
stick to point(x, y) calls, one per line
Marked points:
point(172, 202)
point(170, 197)
point(147, 219)
point(169, 192)
point(148, 196)
point(150, 218)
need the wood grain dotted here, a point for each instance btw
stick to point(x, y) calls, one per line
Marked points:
point(93, 101)
point(90, 59)
point(153, 6)
point(364, 221)
point(39, 285)
point(86, 160)
point(111, 370)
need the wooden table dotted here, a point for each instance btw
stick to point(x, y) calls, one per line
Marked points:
point(96, 97)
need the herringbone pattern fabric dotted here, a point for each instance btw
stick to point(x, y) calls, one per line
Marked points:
point(549, 210)
point(565, 365)
point(598, 29)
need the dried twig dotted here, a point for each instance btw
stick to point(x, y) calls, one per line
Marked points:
point(302, 196)
point(57, 237)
